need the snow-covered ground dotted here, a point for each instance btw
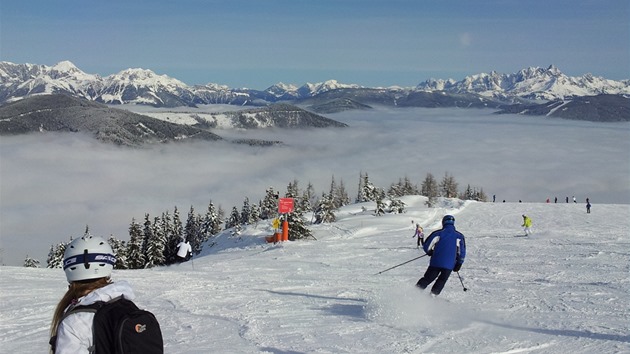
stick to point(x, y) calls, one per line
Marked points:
point(565, 289)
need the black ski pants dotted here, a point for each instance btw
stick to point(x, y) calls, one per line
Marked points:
point(430, 275)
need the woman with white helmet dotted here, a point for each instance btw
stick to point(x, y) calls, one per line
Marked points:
point(88, 262)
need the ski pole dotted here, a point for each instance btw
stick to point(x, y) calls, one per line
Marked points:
point(461, 281)
point(383, 271)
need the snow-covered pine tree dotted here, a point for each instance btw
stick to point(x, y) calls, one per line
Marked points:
point(135, 256)
point(467, 194)
point(396, 205)
point(31, 262)
point(213, 220)
point(325, 210)
point(370, 192)
point(395, 190)
point(269, 206)
point(233, 219)
point(120, 251)
point(192, 231)
point(380, 207)
point(246, 211)
point(361, 197)
point(430, 190)
point(254, 214)
point(171, 238)
point(156, 243)
point(55, 256)
point(297, 226)
point(50, 258)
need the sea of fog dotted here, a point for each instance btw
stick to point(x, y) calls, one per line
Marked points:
point(54, 185)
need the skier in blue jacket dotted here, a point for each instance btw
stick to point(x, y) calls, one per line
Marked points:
point(447, 249)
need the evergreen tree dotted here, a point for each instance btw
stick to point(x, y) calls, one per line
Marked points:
point(410, 188)
point(171, 237)
point(269, 207)
point(297, 226)
point(193, 231)
point(481, 196)
point(467, 194)
point(55, 256)
point(395, 190)
point(341, 197)
point(120, 251)
point(396, 205)
point(473, 194)
point(325, 209)
point(213, 220)
point(246, 212)
point(430, 190)
point(380, 207)
point(308, 198)
point(31, 262)
point(135, 256)
point(50, 260)
point(361, 197)
point(178, 227)
point(448, 186)
point(254, 214)
point(147, 236)
point(233, 219)
point(156, 243)
point(402, 188)
point(293, 190)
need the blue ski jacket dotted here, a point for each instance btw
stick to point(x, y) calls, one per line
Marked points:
point(446, 247)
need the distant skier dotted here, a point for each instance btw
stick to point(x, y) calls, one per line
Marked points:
point(184, 251)
point(447, 249)
point(419, 234)
point(574, 200)
point(527, 224)
point(588, 206)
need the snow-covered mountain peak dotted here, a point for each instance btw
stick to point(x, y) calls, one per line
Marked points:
point(145, 77)
point(533, 83)
point(66, 66)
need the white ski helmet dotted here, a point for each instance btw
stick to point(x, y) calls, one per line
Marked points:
point(88, 257)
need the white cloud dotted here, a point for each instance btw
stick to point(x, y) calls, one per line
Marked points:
point(465, 39)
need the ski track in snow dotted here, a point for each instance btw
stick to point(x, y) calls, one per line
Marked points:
point(563, 289)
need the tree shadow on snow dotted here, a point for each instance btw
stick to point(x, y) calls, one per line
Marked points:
point(564, 332)
point(350, 310)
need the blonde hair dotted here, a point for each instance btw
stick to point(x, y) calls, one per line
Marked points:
point(75, 291)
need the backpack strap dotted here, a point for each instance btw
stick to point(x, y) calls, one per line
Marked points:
point(93, 307)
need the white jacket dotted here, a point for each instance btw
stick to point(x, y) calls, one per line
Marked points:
point(74, 334)
point(183, 249)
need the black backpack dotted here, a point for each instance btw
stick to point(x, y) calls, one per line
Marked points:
point(120, 327)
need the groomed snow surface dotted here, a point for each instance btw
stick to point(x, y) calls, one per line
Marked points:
point(565, 289)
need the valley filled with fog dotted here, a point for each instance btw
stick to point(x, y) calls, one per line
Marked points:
point(53, 185)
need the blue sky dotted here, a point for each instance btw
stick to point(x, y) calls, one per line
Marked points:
point(373, 43)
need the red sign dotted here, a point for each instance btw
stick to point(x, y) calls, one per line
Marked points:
point(285, 205)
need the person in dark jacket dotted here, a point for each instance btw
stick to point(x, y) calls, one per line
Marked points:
point(447, 249)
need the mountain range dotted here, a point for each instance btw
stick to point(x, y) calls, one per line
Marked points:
point(531, 91)
point(143, 86)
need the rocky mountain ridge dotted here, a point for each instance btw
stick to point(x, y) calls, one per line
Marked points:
point(143, 86)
